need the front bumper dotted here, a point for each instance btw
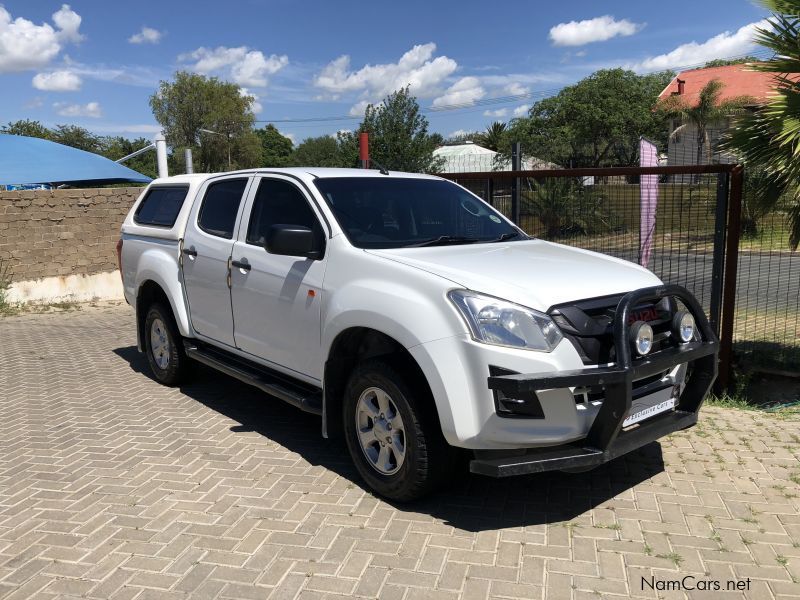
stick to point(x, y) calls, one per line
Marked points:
point(606, 438)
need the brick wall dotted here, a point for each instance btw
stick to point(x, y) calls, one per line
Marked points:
point(45, 233)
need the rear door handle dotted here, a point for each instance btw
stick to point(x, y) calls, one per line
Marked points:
point(190, 252)
point(241, 265)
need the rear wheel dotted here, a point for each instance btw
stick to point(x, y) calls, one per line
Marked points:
point(163, 347)
point(393, 433)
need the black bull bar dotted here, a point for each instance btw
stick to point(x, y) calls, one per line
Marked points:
point(605, 439)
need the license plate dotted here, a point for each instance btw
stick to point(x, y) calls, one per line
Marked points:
point(649, 406)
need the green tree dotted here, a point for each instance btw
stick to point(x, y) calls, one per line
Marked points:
point(28, 128)
point(725, 62)
point(708, 111)
point(493, 137)
point(596, 122)
point(276, 149)
point(769, 138)
point(463, 137)
point(192, 103)
point(77, 137)
point(322, 151)
point(115, 147)
point(398, 136)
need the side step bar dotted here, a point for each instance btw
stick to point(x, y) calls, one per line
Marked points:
point(301, 395)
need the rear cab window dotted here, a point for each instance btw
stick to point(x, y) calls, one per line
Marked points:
point(220, 206)
point(161, 205)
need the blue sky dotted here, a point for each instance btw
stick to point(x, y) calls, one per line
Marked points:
point(96, 62)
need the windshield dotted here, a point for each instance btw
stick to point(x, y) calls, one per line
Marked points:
point(395, 212)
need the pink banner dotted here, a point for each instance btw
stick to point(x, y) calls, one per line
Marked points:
point(648, 188)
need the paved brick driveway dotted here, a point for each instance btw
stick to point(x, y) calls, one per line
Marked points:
point(112, 486)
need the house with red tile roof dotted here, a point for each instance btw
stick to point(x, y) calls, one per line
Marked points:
point(738, 80)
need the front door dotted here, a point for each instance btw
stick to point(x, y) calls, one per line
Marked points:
point(207, 249)
point(276, 299)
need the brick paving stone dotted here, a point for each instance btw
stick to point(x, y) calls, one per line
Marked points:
point(112, 486)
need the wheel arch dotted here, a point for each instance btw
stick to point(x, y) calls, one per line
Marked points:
point(351, 347)
point(147, 293)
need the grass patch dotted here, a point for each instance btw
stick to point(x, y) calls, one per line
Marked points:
point(730, 401)
point(676, 558)
point(6, 307)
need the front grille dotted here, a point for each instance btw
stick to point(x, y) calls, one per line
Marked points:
point(588, 324)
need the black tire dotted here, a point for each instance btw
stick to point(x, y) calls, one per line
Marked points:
point(427, 459)
point(168, 362)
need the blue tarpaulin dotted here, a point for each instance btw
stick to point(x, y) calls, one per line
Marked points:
point(27, 160)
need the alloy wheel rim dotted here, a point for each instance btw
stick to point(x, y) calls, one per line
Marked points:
point(381, 431)
point(159, 344)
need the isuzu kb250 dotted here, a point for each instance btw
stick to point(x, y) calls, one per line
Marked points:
point(414, 318)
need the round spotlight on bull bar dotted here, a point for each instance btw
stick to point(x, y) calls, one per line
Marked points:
point(641, 337)
point(683, 326)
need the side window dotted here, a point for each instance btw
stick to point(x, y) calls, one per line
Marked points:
point(161, 205)
point(220, 205)
point(279, 202)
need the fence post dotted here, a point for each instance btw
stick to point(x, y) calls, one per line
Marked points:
point(718, 265)
point(730, 279)
point(516, 165)
point(489, 190)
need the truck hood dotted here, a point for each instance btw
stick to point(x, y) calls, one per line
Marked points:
point(533, 273)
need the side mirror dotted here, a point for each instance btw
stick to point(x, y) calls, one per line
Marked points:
point(292, 240)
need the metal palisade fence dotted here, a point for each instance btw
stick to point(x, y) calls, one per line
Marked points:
point(748, 283)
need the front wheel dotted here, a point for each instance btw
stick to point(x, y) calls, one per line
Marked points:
point(393, 433)
point(168, 362)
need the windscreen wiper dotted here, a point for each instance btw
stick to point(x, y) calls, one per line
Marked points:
point(506, 236)
point(445, 239)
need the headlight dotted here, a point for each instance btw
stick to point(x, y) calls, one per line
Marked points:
point(683, 326)
point(495, 321)
point(641, 337)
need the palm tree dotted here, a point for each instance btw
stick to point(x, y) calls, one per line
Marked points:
point(493, 137)
point(769, 138)
point(708, 110)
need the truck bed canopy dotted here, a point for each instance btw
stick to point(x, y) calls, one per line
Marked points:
point(27, 160)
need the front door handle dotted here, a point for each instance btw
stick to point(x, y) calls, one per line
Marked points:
point(190, 252)
point(241, 265)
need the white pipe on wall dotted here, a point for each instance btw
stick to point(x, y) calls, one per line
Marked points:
point(161, 155)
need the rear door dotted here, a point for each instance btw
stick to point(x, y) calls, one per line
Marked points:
point(276, 299)
point(207, 249)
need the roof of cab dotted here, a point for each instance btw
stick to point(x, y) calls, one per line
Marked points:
point(302, 172)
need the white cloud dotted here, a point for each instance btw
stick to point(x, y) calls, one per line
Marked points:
point(464, 91)
point(599, 29)
point(417, 69)
point(516, 89)
point(256, 106)
point(522, 110)
point(92, 109)
point(500, 113)
point(147, 35)
point(242, 65)
point(57, 81)
point(291, 136)
point(135, 75)
point(359, 108)
point(25, 45)
point(693, 53)
point(458, 133)
point(68, 22)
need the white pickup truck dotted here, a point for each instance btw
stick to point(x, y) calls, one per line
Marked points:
point(415, 319)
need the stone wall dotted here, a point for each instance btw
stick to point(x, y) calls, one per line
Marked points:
point(59, 233)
